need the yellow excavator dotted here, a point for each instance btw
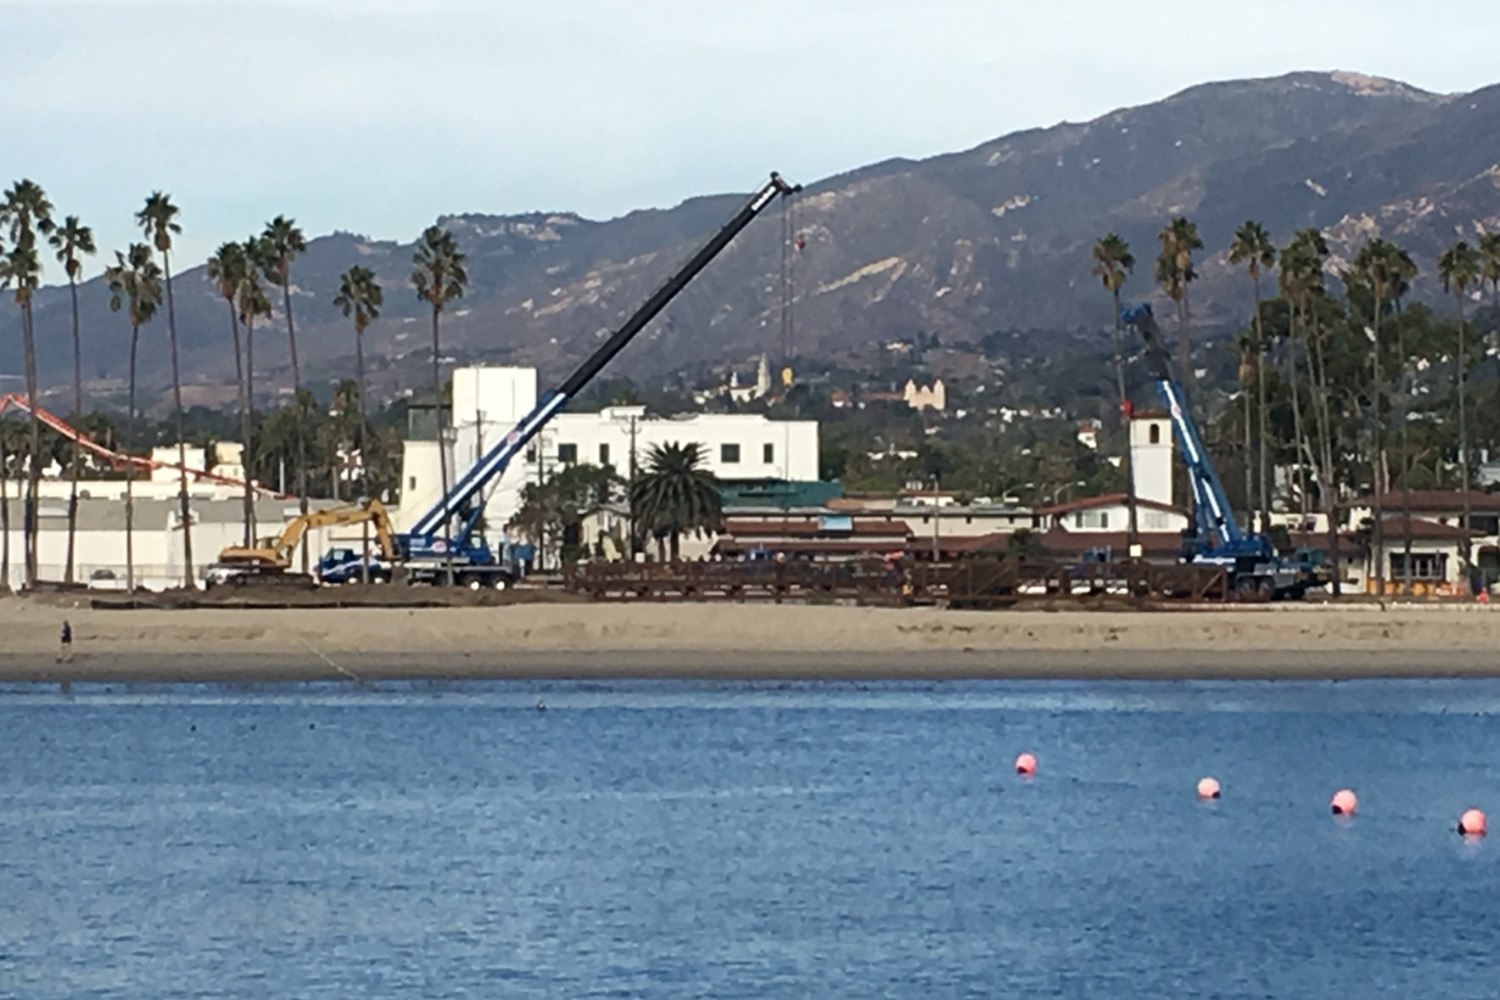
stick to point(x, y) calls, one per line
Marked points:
point(270, 561)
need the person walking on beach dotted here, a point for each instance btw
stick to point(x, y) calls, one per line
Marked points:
point(65, 646)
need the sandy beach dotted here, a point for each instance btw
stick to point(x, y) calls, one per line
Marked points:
point(727, 640)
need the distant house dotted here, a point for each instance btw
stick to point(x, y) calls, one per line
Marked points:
point(1111, 512)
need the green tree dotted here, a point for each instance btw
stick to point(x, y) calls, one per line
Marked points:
point(277, 247)
point(134, 282)
point(439, 278)
point(1253, 248)
point(1460, 266)
point(1174, 271)
point(673, 496)
point(158, 221)
point(71, 241)
point(557, 508)
point(1113, 261)
point(228, 269)
point(27, 213)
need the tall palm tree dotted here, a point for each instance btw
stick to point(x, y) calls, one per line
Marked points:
point(158, 221)
point(1113, 261)
point(227, 269)
point(278, 246)
point(1384, 269)
point(70, 240)
point(674, 496)
point(439, 278)
point(361, 296)
point(252, 303)
point(134, 281)
point(1252, 247)
point(26, 212)
point(1174, 271)
point(1460, 267)
point(1302, 287)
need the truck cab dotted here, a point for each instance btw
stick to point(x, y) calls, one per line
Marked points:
point(344, 565)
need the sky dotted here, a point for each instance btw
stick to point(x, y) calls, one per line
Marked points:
point(377, 116)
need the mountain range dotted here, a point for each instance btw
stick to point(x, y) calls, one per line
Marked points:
point(992, 238)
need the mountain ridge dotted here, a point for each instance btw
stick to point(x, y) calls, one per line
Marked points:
point(963, 243)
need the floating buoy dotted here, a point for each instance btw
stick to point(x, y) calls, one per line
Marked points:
point(1208, 788)
point(1473, 823)
point(1344, 803)
point(1026, 764)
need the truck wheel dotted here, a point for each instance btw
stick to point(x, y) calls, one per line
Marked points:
point(501, 583)
point(472, 582)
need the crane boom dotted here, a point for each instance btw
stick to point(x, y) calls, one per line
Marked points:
point(464, 499)
point(1215, 518)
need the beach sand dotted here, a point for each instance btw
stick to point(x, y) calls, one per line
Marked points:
point(743, 640)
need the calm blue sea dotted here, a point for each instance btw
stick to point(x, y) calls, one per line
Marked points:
point(742, 840)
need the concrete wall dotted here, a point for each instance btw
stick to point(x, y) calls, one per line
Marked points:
point(1152, 454)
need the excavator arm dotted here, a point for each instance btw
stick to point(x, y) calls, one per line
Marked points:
point(277, 554)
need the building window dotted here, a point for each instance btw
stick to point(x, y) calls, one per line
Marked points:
point(567, 454)
point(1155, 434)
point(1424, 566)
point(768, 453)
point(604, 454)
point(413, 481)
point(729, 454)
point(1095, 519)
point(531, 455)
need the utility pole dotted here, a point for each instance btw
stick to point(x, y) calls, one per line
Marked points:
point(936, 506)
point(630, 530)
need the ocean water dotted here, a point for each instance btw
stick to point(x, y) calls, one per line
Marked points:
point(740, 840)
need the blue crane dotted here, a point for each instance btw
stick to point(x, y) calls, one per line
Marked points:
point(1216, 537)
point(445, 532)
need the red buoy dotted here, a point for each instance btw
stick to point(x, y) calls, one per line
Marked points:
point(1473, 823)
point(1208, 788)
point(1026, 764)
point(1344, 803)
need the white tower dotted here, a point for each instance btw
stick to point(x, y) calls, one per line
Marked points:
point(1151, 456)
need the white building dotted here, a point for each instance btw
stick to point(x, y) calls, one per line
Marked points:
point(1152, 456)
point(156, 538)
point(489, 401)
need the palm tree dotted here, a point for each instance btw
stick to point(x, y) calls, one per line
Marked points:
point(1252, 247)
point(1489, 255)
point(361, 296)
point(158, 221)
point(674, 495)
point(1113, 261)
point(70, 240)
point(439, 278)
point(1460, 267)
point(251, 302)
point(1383, 268)
point(135, 280)
point(279, 245)
point(27, 212)
point(1174, 271)
point(1302, 287)
point(227, 269)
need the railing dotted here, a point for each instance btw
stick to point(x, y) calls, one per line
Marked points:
point(969, 583)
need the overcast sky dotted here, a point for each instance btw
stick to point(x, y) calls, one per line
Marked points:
point(376, 116)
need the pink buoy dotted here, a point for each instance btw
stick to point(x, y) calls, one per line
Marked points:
point(1208, 788)
point(1345, 803)
point(1026, 764)
point(1473, 823)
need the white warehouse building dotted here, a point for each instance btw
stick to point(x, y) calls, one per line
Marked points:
point(489, 401)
